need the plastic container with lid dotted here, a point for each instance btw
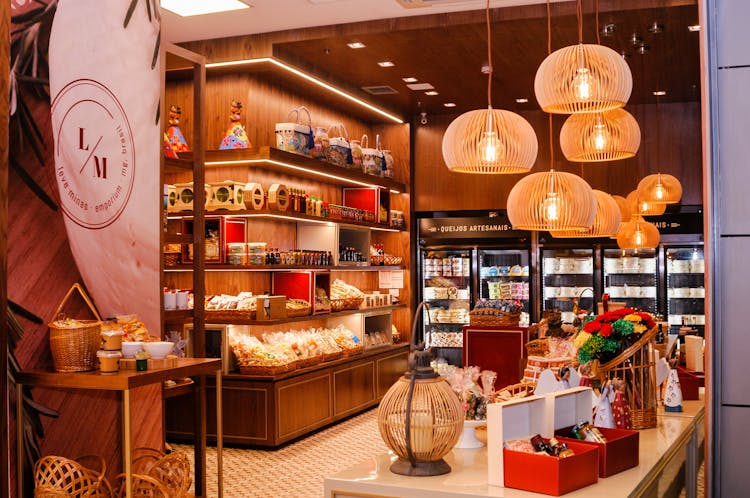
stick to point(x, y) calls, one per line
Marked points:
point(112, 339)
point(256, 247)
point(109, 361)
point(235, 248)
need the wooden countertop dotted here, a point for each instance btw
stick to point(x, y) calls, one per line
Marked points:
point(119, 381)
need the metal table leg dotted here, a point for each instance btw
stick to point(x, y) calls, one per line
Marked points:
point(127, 456)
point(219, 436)
point(19, 438)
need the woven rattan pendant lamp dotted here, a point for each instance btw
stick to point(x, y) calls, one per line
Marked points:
point(624, 206)
point(660, 188)
point(643, 207)
point(489, 141)
point(600, 136)
point(638, 234)
point(582, 78)
point(606, 221)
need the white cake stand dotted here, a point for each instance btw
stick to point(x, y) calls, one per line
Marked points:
point(468, 439)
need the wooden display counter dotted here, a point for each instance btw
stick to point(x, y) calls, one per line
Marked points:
point(663, 450)
point(271, 410)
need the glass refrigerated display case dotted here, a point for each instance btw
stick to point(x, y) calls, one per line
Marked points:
point(632, 278)
point(567, 280)
point(503, 275)
point(684, 267)
point(446, 288)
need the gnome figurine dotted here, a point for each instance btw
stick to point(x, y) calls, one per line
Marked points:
point(236, 137)
point(673, 391)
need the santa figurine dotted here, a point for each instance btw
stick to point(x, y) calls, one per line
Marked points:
point(620, 406)
point(236, 137)
point(673, 391)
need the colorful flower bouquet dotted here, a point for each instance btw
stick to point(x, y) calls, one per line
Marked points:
point(605, 336)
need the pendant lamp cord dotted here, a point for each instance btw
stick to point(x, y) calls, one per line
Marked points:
point(549, 51)
point(549, 29)
point(579, 15)
point(596, 9)
point(489, 56)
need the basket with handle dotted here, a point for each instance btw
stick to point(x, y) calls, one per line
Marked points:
point(294, 135)
point(339, 152)
point(74, 345)
point(637, 367)
point(57, 476)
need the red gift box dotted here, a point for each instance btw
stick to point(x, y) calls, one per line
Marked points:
point(521, 418)
point(560, 475)
point(619, 453)
point(572, 406)
point(689, 383)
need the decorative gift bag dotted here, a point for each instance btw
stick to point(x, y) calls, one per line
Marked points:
point(294, 136)
point(371, 161)
point(339, 152)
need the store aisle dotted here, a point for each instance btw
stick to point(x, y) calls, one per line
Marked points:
point(296, 470)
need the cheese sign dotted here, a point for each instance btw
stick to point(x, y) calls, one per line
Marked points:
point(468, 228)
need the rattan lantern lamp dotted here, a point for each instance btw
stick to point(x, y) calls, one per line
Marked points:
point(420, 417)
point(606, 221)
point(582, 78)
point(638, 234)
point(489, 140)
point(601, 136)
point(624, 206)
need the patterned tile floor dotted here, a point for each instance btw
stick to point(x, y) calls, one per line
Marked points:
point(298, 470)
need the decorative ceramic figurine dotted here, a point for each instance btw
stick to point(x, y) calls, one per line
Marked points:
point(174, 141)
point(673, 391)
point(620, 406)
point(585, 375)
point(603, 417)
point(236, 137)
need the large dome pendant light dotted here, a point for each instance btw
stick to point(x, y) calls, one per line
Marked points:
point(638, 234)
point(601, 136)
point(582, 78)
point(624, 206)
point(606, 221)
point(660, 188)
point(489, 141)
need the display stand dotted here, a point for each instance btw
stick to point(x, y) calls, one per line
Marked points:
point(124, 381)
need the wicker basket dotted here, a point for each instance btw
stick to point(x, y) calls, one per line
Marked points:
point(268, 370)
point(143, 485)
point(223, 315)
point(309, 361)
point(171, 258)
point(298, 311)
point(636, 366)
point(173, 470)
point(502, 319)
point(354, 351)
point(56, 476)
point(351, 303)
point(537, 347)
point(333, 356)
point(74, 348)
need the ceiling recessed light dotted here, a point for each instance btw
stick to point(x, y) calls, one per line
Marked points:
point(420, 86)
point(356, 45)
point(694, 27)
point(522, 101)
point(431, 92)
point(659, 93)
point(450, 104)
point(187, 8)
point(386, 64)
point(410, 79)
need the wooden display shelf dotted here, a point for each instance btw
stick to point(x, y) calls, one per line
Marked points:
point(288, 216)
point(306, 318)
point(267, 411)
point(212, 267)
point(175, 316)
point(273, 159)
point(178, 238)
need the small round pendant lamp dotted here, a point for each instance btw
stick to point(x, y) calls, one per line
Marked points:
point(583, 78)
point(606, 221)
point(660, 188)
point(601, 136)
point(551, 201)
point(624, 206)
point(638, 234)
point(489, 141)
point(643, 207)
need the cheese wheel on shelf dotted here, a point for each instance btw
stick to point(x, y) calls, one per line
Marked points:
point(278, 197)
point(254, 196)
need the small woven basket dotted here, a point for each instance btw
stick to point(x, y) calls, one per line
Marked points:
point(292, 312)
point(350, 303)
point(537, 347)
point(56, 476)
point(74, 348)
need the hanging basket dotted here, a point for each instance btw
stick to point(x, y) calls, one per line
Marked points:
point(637, 367)
point(74, 347)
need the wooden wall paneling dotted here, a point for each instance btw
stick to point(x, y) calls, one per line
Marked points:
point(5, 438)
point(234, 282)
point(437, 189)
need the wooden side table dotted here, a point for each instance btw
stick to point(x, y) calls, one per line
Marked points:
point(124, 381)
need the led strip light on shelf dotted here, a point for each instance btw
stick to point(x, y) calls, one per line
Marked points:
point(309, 78)
point(298, 168)
point(283, 217)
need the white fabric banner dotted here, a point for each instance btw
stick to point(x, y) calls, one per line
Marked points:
point(105, 95)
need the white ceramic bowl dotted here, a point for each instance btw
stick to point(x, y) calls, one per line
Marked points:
point(158, 349)
point(129, 349)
